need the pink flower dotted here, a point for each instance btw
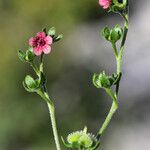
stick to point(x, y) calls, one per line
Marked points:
point(105, 3)
point(41, 43)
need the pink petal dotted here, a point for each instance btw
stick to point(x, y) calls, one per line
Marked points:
point(106, 6)
point(47, 49)
point(31, 41)
point(49, 40)
point(37, 51)
point(105, 3)
point(41, 34)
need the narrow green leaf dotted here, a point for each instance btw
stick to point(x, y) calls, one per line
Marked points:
point(21, 55)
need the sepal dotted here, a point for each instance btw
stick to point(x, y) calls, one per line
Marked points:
point(106, 33)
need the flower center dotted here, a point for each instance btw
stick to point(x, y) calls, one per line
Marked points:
point(40, 42)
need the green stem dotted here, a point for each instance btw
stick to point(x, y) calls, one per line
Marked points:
point(34, 67)
point(43, 93)
point(51, 108)
point(53, 121)
point(110, 114)
point(115, 49)
point(41, 62)
point(119, 59)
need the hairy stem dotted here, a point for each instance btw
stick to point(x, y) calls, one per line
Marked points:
point(43, 93)
point(110, 114)
point(54, 127)
point(119, 59)
point(51, 108)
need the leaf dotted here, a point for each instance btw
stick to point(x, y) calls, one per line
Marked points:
point(21, 55)
point(58, 38)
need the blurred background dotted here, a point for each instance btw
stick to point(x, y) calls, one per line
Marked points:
point(24, 119)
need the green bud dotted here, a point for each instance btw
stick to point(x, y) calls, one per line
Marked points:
point(52, 32)
point(116, 34)
point(104, 81)
point(30, 84)
point(101, 80)
point(106, 33)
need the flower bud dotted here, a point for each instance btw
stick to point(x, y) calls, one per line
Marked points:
point(30, 84)
point(104, 81)
point(81, 140)
point(116, 34)
point(101, 80)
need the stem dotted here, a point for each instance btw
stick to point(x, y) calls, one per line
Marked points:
point(119, 59)
point(43, 93)
point(115, 49)
point(52, 117)
point(54, 126)
point(110, 114)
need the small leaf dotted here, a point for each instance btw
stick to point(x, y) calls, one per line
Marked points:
point(44, 30)
point(52, 31)
point(58, 38)
point(21, 55)
point(26, 88)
